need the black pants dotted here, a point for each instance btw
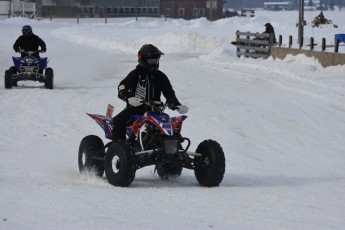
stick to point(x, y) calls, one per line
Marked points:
point(122, 119)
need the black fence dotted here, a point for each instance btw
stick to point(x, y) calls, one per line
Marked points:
point(338, 38)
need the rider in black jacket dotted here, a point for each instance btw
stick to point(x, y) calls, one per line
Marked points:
point(144, 83)
point(270, 30)
point(29, 42)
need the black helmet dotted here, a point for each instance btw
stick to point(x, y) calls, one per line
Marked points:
point(268, 24)
point(269, 27)
point(27, 30)
point(148, 57)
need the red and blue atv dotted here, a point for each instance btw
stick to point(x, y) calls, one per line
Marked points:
point(29, 68)
point(152, 139)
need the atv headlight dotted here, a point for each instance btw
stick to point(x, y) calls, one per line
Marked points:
point(29, 60)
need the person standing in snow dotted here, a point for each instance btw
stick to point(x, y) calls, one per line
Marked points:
point(270, 30)
point(28, 41)
point(144, 83)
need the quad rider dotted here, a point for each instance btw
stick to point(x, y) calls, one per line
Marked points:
point(320, 20)
point(144, 83)
point(29, 41)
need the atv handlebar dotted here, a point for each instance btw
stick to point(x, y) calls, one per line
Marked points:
point(30, 53)
point(160, 104)
point(155, 105)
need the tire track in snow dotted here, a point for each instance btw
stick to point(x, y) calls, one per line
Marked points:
point(282, 76)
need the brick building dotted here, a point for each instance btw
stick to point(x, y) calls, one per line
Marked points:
point(186, 9)
point(189, 9)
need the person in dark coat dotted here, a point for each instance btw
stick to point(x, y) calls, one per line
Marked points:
point(144, 83)
point(28, 41)
point(270, 30)
point(321, 18)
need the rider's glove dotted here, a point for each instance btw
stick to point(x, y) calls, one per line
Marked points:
point(182, 109)
point(43, 51)
point(171, 106)
point(123, 94)
point(16, 50)
point(134, 101)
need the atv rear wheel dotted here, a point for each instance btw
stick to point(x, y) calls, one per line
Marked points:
point(168, 171)
point(89, 147)
point(49, 84)
point(120, 164)
point(210, 167)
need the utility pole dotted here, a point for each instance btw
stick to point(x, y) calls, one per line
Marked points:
point(300, 22)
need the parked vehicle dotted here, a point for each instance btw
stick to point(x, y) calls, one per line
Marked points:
point(247, 13)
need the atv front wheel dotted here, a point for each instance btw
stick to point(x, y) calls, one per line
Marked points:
point(168, 171)
point(49, 84)
point(89, 147)
point(210, 167)
point(8, 78)
point(13, 71)
point(119, 164)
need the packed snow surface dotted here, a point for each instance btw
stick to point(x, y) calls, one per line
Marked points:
point(281, 124)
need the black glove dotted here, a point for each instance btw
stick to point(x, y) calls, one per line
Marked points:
point(43, 50)
point(171, 106)
point(123, 94)
point(16, 50)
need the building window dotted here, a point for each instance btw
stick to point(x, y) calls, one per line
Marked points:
point(195, 13)
point(167, 11)
point(155, 10)
point(91, 11)
point(202, 12)
point(115, 10)
point(181, 12)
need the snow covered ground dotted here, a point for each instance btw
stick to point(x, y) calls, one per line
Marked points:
point(281, 124)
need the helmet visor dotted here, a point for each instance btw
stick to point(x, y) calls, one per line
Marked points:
point(152, 61)
point(26, 31)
